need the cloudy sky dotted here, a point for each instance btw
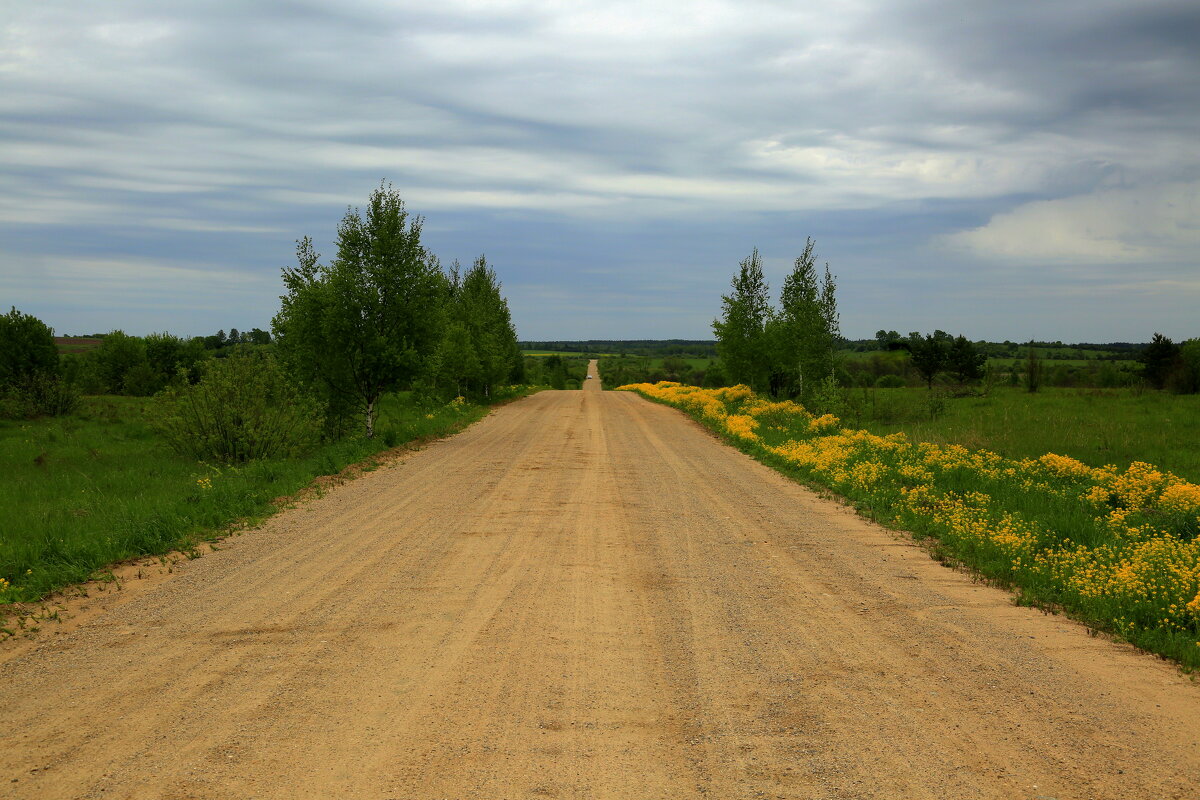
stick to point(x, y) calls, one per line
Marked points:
point(999, 169)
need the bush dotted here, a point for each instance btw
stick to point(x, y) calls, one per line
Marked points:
point(140, 380)
point(41, 394)
point(117, 355)
point(26, 348)
point(243, 408)
point(889, 382)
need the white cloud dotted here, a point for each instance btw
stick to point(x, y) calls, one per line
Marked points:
point(1155, 224)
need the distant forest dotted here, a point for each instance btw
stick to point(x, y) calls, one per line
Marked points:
point(707, 348)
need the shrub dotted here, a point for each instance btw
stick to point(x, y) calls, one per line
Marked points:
point(41, 394)
point(26, 348)
point(243, 408)
point(117, 355)
point(889, 382)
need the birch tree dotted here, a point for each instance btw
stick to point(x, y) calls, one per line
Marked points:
point(370, 321)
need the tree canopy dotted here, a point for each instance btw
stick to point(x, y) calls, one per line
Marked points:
point(383, 316)
point(805, 331)
point(370, 321)
point(741, 331)
point(789, 351)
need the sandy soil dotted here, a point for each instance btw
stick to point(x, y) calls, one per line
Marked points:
point(584, 596)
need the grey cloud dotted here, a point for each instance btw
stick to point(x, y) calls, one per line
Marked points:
point(596, 139)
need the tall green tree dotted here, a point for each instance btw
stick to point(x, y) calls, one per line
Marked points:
point(370, 321)
point(742, 329)
point(555, 372)
point(1158, 360)
point(805, 331)
point(888, 340)
point(1033, 369)
point(26, 347)
point(457, 364)
point(1186, 378)
point(929, 353)
point(479, 305)
point(964, 361)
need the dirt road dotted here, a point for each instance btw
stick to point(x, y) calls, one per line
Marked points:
point(585, 596)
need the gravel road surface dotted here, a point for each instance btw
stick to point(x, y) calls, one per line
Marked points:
point(584, 595)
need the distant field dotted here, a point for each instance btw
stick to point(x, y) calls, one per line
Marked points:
point(657, 362)
point(76, 344)
point(1050, 362)
point(566, 353)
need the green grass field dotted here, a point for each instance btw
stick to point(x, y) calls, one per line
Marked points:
point(1098, 427)
point(97, 487)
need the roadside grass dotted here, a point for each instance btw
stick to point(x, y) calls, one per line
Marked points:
point(1116, 547)
point(1096, 426)
point(99, 486)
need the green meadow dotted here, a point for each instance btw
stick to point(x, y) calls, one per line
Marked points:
point(1096, 426)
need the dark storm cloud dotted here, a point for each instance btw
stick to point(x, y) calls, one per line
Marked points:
point(614, 160)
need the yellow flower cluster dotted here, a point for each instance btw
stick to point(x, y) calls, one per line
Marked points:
point(742, 426)
point(1133, 562)
point(1182, 498)
point(204, 483)
point(969, 517)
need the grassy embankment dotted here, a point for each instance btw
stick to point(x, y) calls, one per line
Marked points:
point(1116, 547)
point(99, 486)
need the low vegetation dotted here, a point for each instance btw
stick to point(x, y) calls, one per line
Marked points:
point(243, 408)
point(1118, 547)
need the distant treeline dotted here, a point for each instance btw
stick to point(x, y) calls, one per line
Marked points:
point(707, 348)
point(213, 341)
point(1111, 351)
point(936, 359)
point(698, 348)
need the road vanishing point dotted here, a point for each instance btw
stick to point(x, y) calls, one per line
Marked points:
point(584, 595)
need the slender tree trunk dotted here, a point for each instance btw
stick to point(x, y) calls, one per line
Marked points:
point(370, 418)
